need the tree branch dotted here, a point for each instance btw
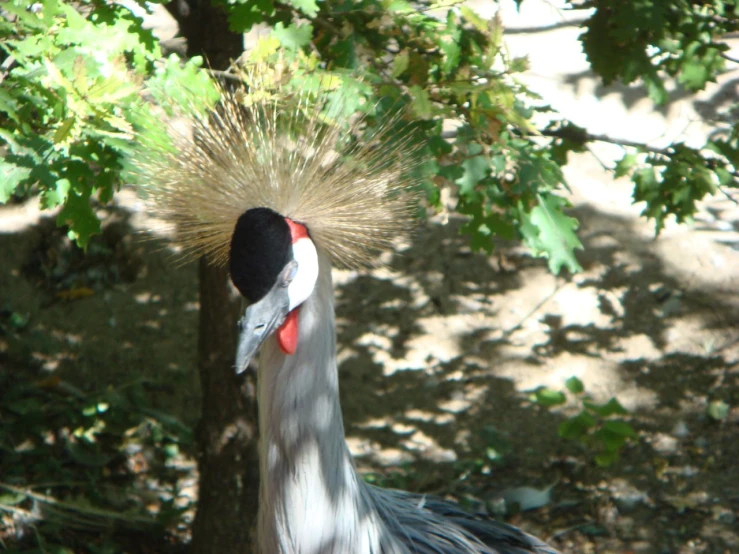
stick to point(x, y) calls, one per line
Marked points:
point(581, 137)
point(545, 28)
point(225, 75)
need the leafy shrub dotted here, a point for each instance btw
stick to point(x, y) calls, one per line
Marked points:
point(596, 426)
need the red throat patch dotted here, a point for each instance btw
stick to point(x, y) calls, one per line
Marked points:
point(287, 334)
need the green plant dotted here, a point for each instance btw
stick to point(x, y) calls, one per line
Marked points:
point(598, 427)
point(436, 69)
point(71, 98)
point(70, 101)
point(77, 78)
point(77, 461)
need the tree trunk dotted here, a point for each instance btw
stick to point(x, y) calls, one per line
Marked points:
point(228, 431)
point(204, 25)
point(227, 434)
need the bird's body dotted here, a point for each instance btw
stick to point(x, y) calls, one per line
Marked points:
point(300, 208)
point(312, 499)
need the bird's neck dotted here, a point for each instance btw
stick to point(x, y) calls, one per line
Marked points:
point(311, 499)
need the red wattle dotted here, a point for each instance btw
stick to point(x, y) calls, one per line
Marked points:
point(287, 334)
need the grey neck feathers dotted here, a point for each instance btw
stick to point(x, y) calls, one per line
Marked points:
point(311, 499)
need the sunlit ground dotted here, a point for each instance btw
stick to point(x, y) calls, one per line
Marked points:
point(440, 354)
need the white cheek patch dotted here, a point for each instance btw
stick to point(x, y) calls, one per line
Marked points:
point(304, 252)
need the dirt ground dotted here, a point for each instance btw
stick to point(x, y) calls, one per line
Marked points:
point(437, 355)
point(439, 352)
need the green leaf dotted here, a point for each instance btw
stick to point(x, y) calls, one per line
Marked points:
point(498, 163)
point(179, 86)
point(243, 16)
point(625, 164)
point(606, 459)
point(694, 74)
point(478, 22)
point(500, 225)
point(574, 385)
point(64, 130)
point(11, 499)
point(26, 406)
point(294, 36)
point(724, 176)
point(452, 53)
point(31, 148)
point(621, 428)
point(609, 440)
point(438, 146)
point(9, 105)
point(718, 410)
point(398, 6)
point(549, 397)
point(576, 427)
point(421, 102)
point(450, 45)
point(612, 407)
point(87, 457)
point(77, 213)
point(480, 236)
point(345, 53)
point(400, 64)
point(495, 38)
point(11, 176)
point(53, 197)
point(475, 170)
point(656, 90)
point(571, 430)
point(308, 7)
point(18, 321)
point(550, 233)
point(520, 64)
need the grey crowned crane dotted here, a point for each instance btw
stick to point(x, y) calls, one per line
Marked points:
point(279, 193)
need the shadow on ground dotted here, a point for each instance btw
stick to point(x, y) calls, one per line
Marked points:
point(673, 342)
point(719, 107)
point(436, 353)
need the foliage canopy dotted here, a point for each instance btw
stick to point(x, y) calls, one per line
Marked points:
point(71, 101)
point(78, 80)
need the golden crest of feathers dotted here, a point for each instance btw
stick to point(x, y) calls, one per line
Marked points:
point(284, 151)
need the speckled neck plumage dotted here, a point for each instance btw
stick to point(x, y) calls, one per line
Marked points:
point(305, 462)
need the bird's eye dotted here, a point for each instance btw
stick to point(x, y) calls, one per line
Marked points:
point(290, 274)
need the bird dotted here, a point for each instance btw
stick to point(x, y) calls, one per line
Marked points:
point(281, 185)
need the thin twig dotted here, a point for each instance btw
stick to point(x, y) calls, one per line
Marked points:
point(545, 28)
point(729, 196)
point(581, 137)
point(225, 75)
point(508, 332)
point(597, 159)
point(28, 515)
point(83, 510)
point(6, 66)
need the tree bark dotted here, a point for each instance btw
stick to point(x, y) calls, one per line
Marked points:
point(228, 432)
point(204, 24)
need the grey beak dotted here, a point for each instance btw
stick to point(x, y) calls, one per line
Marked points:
point(263, 318)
